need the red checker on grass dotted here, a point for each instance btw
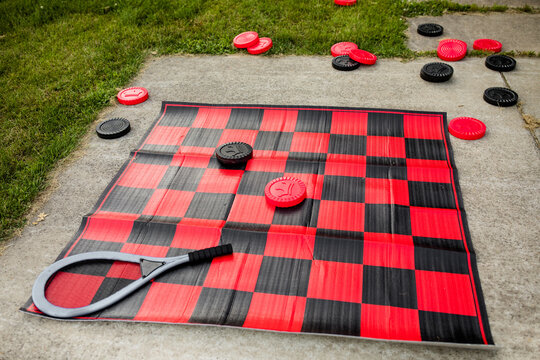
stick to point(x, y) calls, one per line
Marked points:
point(211, 118)
point(237, 272)
point(124, 270)
point(349, 123)
point(246, 39)
point(389, 250)
point(279, 120)
point(220, 181)
point(143, 249)
point(107, 229)
point(295, 246)
point(260, 163)
point(195, 237)
point(345, 165)
point(345, 2)
point(487, 45)
point(363, 57)
point(146, 176)
point(132, 96)
point(451, 50)
point(72, 290)
point(262, 46)
point(386, 191)
point(335, 281)
point(341, 215)
point(385, 146)
point(388, 322)
point(232, 135)
point(310, 142)
point(445, 293)
point(191, 161)
point(167, 202)
point(276, 312)
point(169, 303)
point(251, 209)
point(467, 128)
point(343, 48)
point(167, 135)
point(428, 170)
point(422, 127)
point(435, 223)
point(313, 182)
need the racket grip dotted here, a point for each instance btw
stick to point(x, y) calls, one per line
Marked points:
point(210, 253)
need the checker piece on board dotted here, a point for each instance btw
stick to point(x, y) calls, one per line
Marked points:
point(234, 153)
point(285, 192)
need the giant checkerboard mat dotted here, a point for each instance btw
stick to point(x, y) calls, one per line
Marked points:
point(379, 249)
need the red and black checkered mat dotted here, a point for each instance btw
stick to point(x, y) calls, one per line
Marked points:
point(379, 249)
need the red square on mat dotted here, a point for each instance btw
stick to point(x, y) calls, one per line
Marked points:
point(143, 249)
point(428, 170)
point(336, 281)
point(180, 159)
point(171, 303)
point(245, 136)
point(423, 126)
point(388, 322)
point(237, 272)
point(167, 135)
point(145, 176)
point(211, 118)
point(341, 215)
point(195, 237)
point(251, 209)
point(385, 146)
point(220, 181)
point(104, 229)
point(310, 142)
point(72, 290)
point(389, 250)
point(435, 223)
point(266, 163)
point(314, 183)
point(349, 123)
point(196, 151)
point(276, 312)
point(345, 165)
point(124, 270)
point(386, 191)
point(167, 202)
point(279, 120)
point(445, 293)
point(286, 245)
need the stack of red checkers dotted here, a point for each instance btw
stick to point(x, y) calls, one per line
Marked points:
point(487, 45)
point(132, 96)
point(345, 2)
point(250, 40)
point(451, 50)
point(363, 57)
point(467, 128)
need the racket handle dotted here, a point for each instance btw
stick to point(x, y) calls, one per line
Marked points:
point(210, 253)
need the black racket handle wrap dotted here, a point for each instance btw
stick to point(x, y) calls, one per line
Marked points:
point(210, 253)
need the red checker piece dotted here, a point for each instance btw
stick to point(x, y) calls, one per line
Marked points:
point(262, 46)
point(467, 128)
point(132, 96)
point(451, 50)
point(363, 57)
point(342, 48)
point(487, 45)
point(246, 39)
point(345, 2)
point(285, 192)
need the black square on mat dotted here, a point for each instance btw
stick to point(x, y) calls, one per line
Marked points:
point(254, 182)
point(389, 286)
point(210, 206)
point(179, 116)
point(248, 242)
point(442, 327)
point(181, 178)
point(304, 167)
point(425, 149)
point(221, 307)
point(440, 260)
point(435, 243)
point(202, 137)
point(247, 119)
point(388, 219)
point(110, 286)
point(164, 149)
point(283, 276)
point(128, 307)
point(385, 124)
point(273, 140)
point(123, 199)
point(193, 274)
point(332, 317)
point(153, 159)
point(430, 194)
point(343, 188)
point(315, 121)
point(97, 268)
point(303, 214)
point(152, 233)
point(379, 167)
point(338, 249)
point(84, 246)
point(347, 144)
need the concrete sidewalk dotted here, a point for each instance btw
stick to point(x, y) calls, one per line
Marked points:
point(498, 177)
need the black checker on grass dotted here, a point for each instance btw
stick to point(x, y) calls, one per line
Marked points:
point(430, 29)
point(500, 96)
point(344, 63)
point(436, 72)
point(500, 63)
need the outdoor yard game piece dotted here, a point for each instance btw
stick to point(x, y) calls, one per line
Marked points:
point(379, 247)
point(345, 2)
point(234, 153)
point(363, 57)
point(451, 50)
point(500, 63)
point(151, 267)
point(430, 29)
point(436, 72)
point(113, 128)
point(344, 63)
point(285, 192)
point(262, 46)
point(246, 39)
point(467, 128)
point(342, 48)
point(132, 96)
point(487, 45)
point(500, 96)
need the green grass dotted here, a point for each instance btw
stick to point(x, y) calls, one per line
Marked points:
point(62, 61)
